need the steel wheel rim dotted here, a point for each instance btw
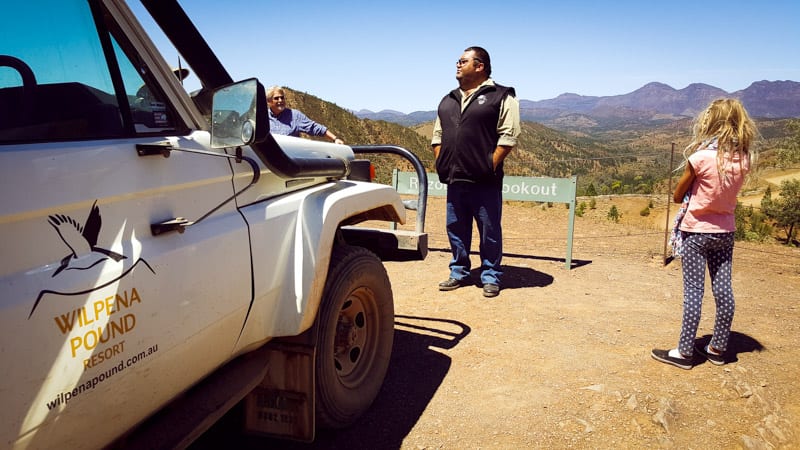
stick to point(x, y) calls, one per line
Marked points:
point(356, 337)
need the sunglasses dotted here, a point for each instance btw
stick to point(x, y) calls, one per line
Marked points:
point(461, 62)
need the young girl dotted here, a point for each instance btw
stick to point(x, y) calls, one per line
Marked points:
point(718, 159)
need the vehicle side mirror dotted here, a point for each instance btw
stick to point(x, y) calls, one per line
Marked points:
point(239, 114)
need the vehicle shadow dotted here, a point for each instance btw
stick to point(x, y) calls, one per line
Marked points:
point(416, 370)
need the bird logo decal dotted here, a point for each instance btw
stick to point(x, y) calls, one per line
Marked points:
point(81, 239)
point(85, 256)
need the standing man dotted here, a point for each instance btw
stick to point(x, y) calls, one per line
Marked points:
point(476, 127)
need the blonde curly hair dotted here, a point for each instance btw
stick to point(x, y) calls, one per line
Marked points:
point(727, 120)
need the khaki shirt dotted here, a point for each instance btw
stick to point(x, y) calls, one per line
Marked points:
point(507, 124)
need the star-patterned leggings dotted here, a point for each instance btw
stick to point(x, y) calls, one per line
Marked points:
point(716, 251)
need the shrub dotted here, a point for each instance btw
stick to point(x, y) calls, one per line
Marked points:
point(785, 210)
point(580, 209)
point(751, 225)
point(613, 214)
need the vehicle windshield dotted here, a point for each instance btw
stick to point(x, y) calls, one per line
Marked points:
point(65, 75)
point(59, 45)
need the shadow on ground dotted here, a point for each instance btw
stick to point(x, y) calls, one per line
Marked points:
point(574, 263)
point(524, 277)
point(416, 371)
point(738, 343)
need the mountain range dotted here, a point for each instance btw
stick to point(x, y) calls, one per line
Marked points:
point(635, 156)
point(651, 105)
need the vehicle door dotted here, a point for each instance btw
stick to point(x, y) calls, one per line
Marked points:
point(101, 321)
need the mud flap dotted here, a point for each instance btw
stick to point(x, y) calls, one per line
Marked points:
point(283, 403)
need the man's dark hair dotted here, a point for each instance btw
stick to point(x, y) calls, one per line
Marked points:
point(483, 56)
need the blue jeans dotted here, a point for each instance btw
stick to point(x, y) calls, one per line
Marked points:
point(483, 204)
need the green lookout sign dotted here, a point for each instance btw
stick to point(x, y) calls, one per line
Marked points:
point(532, 189)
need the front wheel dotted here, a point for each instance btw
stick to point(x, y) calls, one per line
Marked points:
point(355, 335)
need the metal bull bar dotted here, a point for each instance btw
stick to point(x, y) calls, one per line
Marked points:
point(404, 245)
point(422, 197)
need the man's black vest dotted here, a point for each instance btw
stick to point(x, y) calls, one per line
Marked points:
point(469, 138)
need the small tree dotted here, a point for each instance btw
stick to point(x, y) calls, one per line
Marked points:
point(741, 215)
point(785, 210)
point(766, 201)
point(760, 230)
point(790, 156)
point(591, 191)
point(613, 214)
point(580, 209)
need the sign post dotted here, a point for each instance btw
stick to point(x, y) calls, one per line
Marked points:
point(534, 189)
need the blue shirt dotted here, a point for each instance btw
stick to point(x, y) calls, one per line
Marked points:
point(291, 122)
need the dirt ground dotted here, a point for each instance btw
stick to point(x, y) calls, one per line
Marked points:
point(561, 358)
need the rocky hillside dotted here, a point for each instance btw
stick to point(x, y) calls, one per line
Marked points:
point(356, 131)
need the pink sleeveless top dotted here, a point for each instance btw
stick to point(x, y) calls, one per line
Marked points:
point(713, 194)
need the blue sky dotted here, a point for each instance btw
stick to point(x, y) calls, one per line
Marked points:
point(401, 55)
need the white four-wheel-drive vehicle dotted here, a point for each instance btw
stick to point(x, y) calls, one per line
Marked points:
point(164, 257)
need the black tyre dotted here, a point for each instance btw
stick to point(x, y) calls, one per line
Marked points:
point(355, 335)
